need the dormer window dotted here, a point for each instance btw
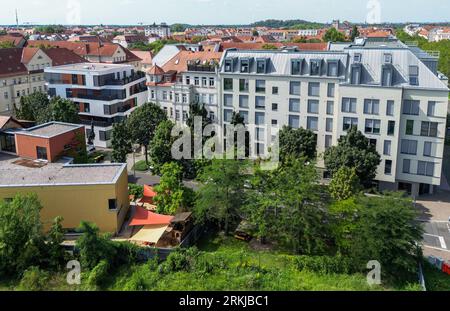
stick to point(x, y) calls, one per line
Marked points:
point(356, 74)
point(261, 65)
point(388, 58)
point(296, 66)
point(333, 68)
point(357, 58)
point(315, 67)
point(228, 65)
point(414, 75)
point(386, 75)
point(245, 65)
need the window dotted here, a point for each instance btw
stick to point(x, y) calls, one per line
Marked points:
point(333, 68)
point(349, 105)
point(391, 128)
point(406, 166)
point(355, 77)
point(431, 109)
point(388, 167)
point(188, 80)
point(196, 81)
point(243, 85)
point(274, 122)
point(184, 98)
point(387, 147)
point(245, 65)
point(294, 88)
point(429, 129)
point(387, 58)
point(296, 67)
point(87, 108)
point(112, 204)
point(328, 141)
point(104, 135)
point(314, 89)
point(260, 86)
point(294, 105)
point(261, 66)
point(274, 107)
point(274, 90)
point(259, 133)
point(260, 102)
point(294, 121)
point(228, 100)
point(411, 107)
point(390, 108)
point(329, 125)
point(414, 75)
point(259, 148)
point(243, 101)
point(212, 116)
point(244, 115)
point(227, 115)
point(331, 89)
point(228, 65)
point(330, 107)
point(259, 118)
point(41, 153)
point(372, 126)
point(371, 106)
point(185, 116)
point(315, 67)
point(164, 97)
point(349, 123)
point(409, 127)
point(6, 95)
point(386, 75)
point(409, 146)
point(228, 84)
point(313, 106)
point(312, 123)
point(212, 82)
point(425, 168)
point(427, 149)
point(357, 58)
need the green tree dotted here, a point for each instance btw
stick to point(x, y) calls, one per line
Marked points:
point(63, 110)
point(178, 28)
point(161, 146)
point(6, 45)
point(355, 33)
point(172, 195)
point(345, 184)
point(55, 252)
point(142, 124)
point(297, 143)
point(344, 215)
point(34, 107)
point(333, 35)
point(269, 46)
point(354, 151)
point(21, 235)
point(222, 194)
point(120, 142)
point(34, 279)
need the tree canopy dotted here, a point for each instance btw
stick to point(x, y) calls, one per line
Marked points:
point(333, 35)
point(121, 143)
point(297, 143)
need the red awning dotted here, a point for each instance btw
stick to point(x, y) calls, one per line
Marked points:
point(149, 192)
point(143, 217)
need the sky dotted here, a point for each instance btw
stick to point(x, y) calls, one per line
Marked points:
point(220, 11)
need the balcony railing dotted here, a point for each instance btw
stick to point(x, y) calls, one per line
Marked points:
point(96, 123)
point(204, 68)
point(98, 97)
point(126, 80)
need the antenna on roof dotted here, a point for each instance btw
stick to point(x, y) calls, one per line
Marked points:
point(17, 20)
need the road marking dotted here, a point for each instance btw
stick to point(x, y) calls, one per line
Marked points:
point(437, 248)
point(442, 241)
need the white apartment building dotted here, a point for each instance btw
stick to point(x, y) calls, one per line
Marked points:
point(439, 34)
point(391, 92)
point(189, 77)
point(308, 32)
point(104, 94)
point(162, 30)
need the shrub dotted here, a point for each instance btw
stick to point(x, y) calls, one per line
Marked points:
point(34, 279)
point(325, 264)
point(136, 190)
point(98, 275)
point(141, 166)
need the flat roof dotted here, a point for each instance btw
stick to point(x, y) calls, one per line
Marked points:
point(18, 172)
point(50, 129)
point(88, 67)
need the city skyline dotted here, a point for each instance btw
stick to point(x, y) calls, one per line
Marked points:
point(217, 12)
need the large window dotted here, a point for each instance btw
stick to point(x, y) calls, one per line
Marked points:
point(429, 129)
point(313, 106)
point(312, 123)
point(409, 146)
point(414, 75)
point(390, 108)
point(294, 121)
point(294, 105)
point(315, 67)
point(294, 88)
point(349, 123)
point(259, 118)
point(387, 147)
point(296, 67)
point(314, 89)
point(349, 105)
point(261, 66)
point(372, 126)
point(333, 68)
point(260, 86)
point(227, 115)
point(245, 65)
point(425, 168)
point(243, 85)
point(371, 106)
point(411, 107)
point(228, 100)
point(391, 128)
point(228, 84)
point(409, 127)
point(260, 102)
point(431, 111)
point(228, 65)
point(243, 101)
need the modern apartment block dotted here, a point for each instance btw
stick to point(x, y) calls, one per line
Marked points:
point(162, 30)
point(391, 92)
point(188, 77)
point(103, 93)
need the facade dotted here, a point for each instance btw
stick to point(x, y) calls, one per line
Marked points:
point(439, 34)
point(103, 93)
point(162, 30)
point(22, 72)
point(389, 91)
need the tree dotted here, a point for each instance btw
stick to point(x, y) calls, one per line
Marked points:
point(172, 195)
point(355, 33)
point(354, 151)
point(6, 45)
point(344, 215)
point(34, 107)
point(55, 251)
point(333, 35)
point(120, 142)
point(21, 235)
point(142, 124)
point(255, 33)
point(222, 194)
point(63, 110)
point(268, 46)
point(297, 143)
point(198, 39)
point(178, 28)
point(161, 146)
point(345, 184)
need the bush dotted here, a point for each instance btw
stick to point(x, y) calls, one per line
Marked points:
point(325, 264)
point(136, 190)
point(140, 166)
point(98, 275)
point(34, 279)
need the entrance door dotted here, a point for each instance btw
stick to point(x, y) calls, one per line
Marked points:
point(424, 189)
point(41, 153)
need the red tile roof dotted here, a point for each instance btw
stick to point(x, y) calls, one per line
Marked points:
point(179, 62)
point(146, 56)
point(15, 39)
point(322, 46)
point(11, 62)
point(155, 70)
point(63, 56)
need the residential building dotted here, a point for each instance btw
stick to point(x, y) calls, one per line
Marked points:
point(439, 34)
point(391, 92)
point(127, 40)
point(104, 94)
point(16, 39)
point(162, 30)
point(147, 59)
point(22, 72)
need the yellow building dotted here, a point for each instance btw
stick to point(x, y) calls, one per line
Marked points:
point(97, 193)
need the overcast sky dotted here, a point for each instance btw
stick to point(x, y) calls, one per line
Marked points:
point(219, 11)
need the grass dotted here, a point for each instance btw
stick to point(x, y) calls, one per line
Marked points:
point(435, 280)
point(141, 166)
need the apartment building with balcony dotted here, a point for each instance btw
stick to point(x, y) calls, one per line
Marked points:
point(188, 77)
point(104, 94)
point(391, 92)
point(162, 30)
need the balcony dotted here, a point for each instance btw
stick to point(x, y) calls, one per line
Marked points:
point(125, 81)
point(201, 68)
point(96, 123)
